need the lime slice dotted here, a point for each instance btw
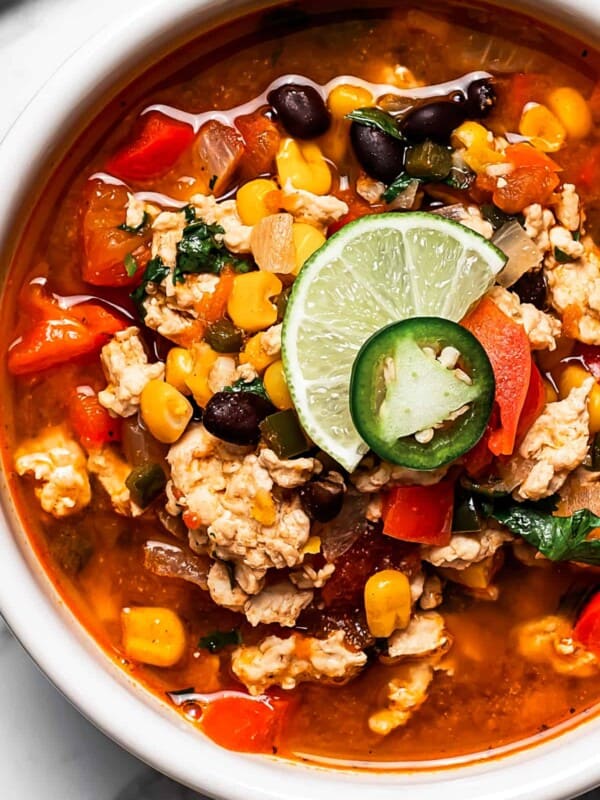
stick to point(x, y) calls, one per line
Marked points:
point(379, 269)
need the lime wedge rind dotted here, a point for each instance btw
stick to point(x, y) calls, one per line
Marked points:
point(379, 269)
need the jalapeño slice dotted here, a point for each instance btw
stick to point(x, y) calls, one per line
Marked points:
point(399, 388)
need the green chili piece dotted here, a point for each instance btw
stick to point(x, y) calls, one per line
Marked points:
point(145, 483)
point(428, 160)
point(283, 434)
point(466, 517)
point(224, 337)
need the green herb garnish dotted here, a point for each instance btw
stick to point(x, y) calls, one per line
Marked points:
point(212, 182)
point(557, 538)
point(199, 251)
point(135, 228)
point(189, 212)
point(561, 256)
point(214, 642)
point(256, 387)
point(376, 118)
point(155, 272)
point(399, 185)
point(130, 265)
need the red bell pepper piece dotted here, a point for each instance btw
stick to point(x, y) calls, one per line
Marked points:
point(420, 513)
point(587, 629)
point(91, 422)
point(59, 335)
point(243, 723)
point(158, 145)
point(480, 456)
point(261, 138)
point(534, 404)
point(507, 347)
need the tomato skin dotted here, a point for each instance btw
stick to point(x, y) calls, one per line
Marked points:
point(420, 513)
point(158, 144)
point(507, 347)
point(587, 629)
point(243, 723)
point(92, 423)
point(106, 246)
point(590, 355)
point(261, 138)
point(535, 402)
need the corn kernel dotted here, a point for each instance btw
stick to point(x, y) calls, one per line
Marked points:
point(572, 110)
point(251, 200)
point(254, 354)
point(387, 602)
point(276, 386)
point(249, 304)
point(572, 377)
point(307, 239)
point(479, 150)
point(153, 635)
point(345, 98)
point(165, 411)
point(550, 392)
point(203, 360)
point(475, 576)
point(543, 128)
point(178, 368)
point(312, 546)
point(263, 508)
point(302, 164)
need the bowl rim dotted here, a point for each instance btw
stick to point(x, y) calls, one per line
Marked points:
point(558, 767)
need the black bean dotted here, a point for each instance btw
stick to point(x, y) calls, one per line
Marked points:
point(434, 121)
point(322, 499)
point(531, 288)
point(481, 97)
point(235, 416)
point(379, 154)
point(300, 109)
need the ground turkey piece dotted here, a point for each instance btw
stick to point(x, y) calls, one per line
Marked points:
point(371, 478)
point(575, 293)
point(127, 371)
point(550, 640)
point(281, 604)
point(226, 489)
point(289, 473)
point(288, 662)
point(425, 635)
point(542, 329)
point(236, 236)
point(223, 591)
point(555, 445)
point(320, 211)
point(112, 472)
point(465, 549)
point(406, 693)
point(168, 232)
point(58, 465)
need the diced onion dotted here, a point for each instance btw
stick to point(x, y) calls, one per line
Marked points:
point(219, 149)
point(170, 561)
point(406, 199)
point(523, 254)
point(272, 244)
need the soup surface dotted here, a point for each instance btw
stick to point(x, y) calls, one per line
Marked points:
point(205, 503)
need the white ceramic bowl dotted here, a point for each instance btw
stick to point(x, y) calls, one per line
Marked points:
point(558, 767)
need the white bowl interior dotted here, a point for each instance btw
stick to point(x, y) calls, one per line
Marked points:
point(558, 767)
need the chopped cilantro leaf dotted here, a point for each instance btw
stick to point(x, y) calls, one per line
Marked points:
point(217, 640)
point(155, 272)
point(136, 228)
point(561, 256)
point(376, 118)
point(189, 212)
point(256, 387)
point(200, 251)
point(130, 265)
point(397, 186)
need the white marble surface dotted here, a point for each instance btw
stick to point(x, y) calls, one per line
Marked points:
point(47, 750)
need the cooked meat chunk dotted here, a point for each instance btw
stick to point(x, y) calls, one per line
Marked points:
point(567, 209)
point(542, 329)
point(307, 577)
point(372, 478)
point(127, 371)
point(57, 464)
point(289, 473)
point(562, 239)
point(317, 210)
point(280, 603)
point(231, 493)
point(270, 340)
point(237, 235)
point(406, 693)
point(222, 374)
point(167, 233)
point(555, 445)
point(465, 549)
point(549, 640)
point(538, 221)
point(112, 472)
point(173, 309)
point(575, 293)
point(432, 593)
point(425, 635)
point(288, 662)
point(472, 218)
point(223, 590)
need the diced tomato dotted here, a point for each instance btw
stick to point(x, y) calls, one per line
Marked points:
point(524, 186)
point(590, 355)
point(524, 155)
point(535, 401)
point(357, 207)
point(157, 145)
point(507, 347)
point(245, 724)
point(106, 247)
point(589, 175)
point(59, 335)
point(91, 422)
point(420, 513)
point(587, 629)
point(262, 138)
point(520, 89)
